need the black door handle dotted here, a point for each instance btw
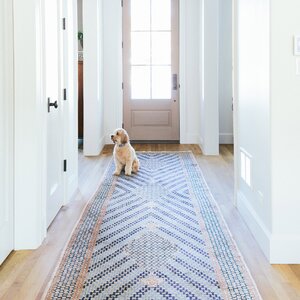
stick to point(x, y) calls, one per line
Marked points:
point(54, 104)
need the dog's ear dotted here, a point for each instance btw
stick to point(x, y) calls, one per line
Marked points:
point(125, 138)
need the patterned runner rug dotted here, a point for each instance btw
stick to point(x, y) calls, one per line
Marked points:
point(154, 235)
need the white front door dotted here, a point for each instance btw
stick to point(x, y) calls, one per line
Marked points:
point(54, 91)
point(6, 131)
point(150, 69)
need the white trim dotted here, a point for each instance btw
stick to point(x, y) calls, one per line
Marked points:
point(210, 100)
point(190, 138)
point(182, 72)
point(70, 111)
point(112, 65)
point(235, 98)
point(93, 77)
point(278, 248)
point(258, 229)
point(226, 138)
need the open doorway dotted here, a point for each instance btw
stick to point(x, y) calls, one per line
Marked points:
point(80, 73)
point(225, 73)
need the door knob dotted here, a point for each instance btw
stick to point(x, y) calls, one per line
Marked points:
point(54, 104)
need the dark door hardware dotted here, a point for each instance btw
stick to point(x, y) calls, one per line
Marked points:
point(54, 104)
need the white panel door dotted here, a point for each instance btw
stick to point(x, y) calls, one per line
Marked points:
point(6, 130)
point(53, 88)
point(150, 69)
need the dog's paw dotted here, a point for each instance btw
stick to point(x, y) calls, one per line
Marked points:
point(116, 173)
point(128, 174)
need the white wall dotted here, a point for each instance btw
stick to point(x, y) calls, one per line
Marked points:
point(268, 125)
point(254, 117)
point(225, 72)
point(93, 77)
point(285, 124)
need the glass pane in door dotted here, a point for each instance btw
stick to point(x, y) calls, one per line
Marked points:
point(150, 49)
point(161, 82)
point(140, 82)
point(161, 14)
point(140, 48)
point(140, 15)
point(161, 48)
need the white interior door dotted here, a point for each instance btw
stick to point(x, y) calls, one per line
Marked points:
point(150, 69)
point(6, 131)
point(53, 88)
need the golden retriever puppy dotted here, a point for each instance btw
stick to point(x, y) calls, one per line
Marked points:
point(124, 154)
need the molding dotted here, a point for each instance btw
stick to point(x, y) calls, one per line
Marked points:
point(189, 138)
point(226, 138)
point(258, 229)
point(208, 152)
point(182, 72)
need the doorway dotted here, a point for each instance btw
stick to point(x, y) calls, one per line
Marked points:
point(150, 69)
point(80, 73)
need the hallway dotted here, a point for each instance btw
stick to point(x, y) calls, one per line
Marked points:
point(26, 274)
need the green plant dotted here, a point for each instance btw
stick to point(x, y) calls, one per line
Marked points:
point(80, 37)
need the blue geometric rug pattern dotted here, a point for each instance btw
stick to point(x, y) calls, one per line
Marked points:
point(154, 235)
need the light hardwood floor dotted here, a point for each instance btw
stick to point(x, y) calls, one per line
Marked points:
point(26, 274)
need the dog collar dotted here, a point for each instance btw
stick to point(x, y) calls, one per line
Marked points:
point(122, 145)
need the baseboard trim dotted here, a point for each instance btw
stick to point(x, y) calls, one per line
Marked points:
point(189, 139)
point(97, 149)
point(253, 221)
point(226, 138)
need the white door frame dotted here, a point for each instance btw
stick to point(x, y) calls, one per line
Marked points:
point(235, 97)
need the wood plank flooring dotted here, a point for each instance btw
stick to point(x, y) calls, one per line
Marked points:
point(26, 274)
